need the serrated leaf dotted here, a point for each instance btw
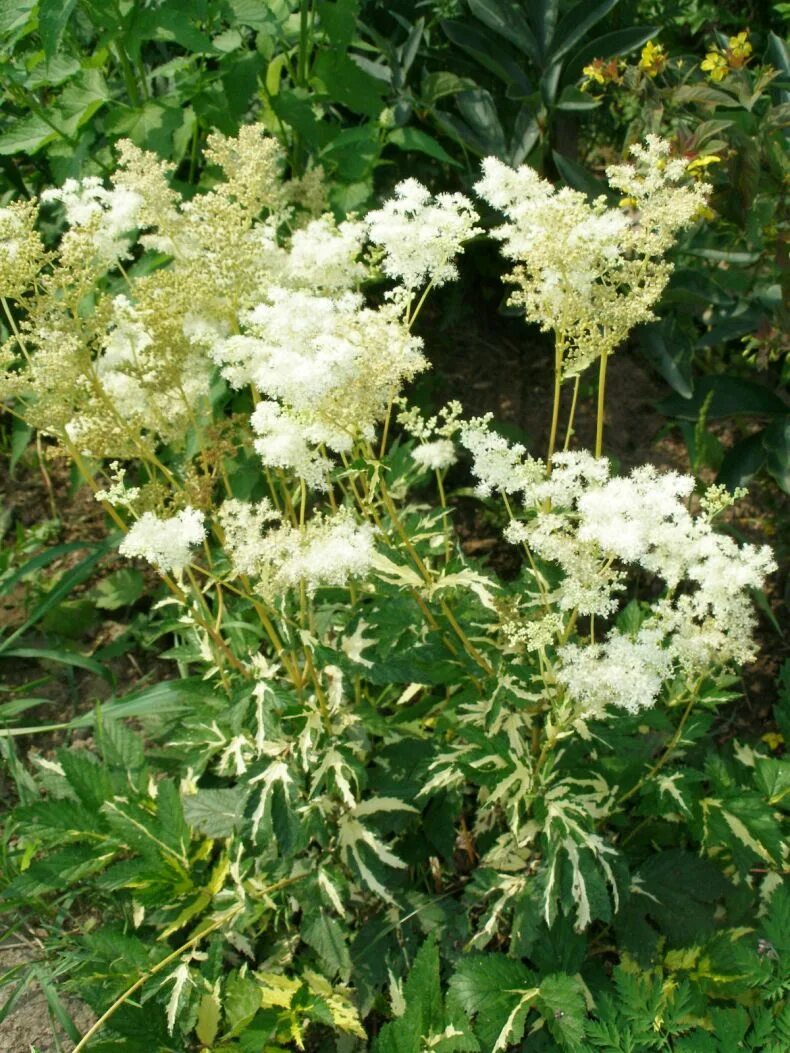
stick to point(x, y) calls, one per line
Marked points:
point(119, 589)
point(496, 993)
point(321, 932)
point(27, 135)
point(215, 813)
point(561, 1004)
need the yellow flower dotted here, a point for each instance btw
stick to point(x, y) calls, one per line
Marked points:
point(772, 739)
point(716, 65)
point(595, 72)
point(739, 50)
point(601, 71)
point(703, 162)
point(653, 59)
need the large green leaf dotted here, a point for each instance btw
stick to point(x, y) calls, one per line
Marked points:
point(608, 45)
point(776, 440)
point(495, 990)
point(488, 51)
point(53, 17)
point(410, 138)
point(729, 397)
point(27, 135)
point(506, 17)
point(575, 24)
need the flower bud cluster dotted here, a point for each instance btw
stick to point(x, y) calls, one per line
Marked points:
point(587, 271)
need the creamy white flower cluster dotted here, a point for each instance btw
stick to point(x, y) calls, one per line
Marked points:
point(21, 248)
point(166, 543)
point(435, 450)
point(587, 271)
point(328, 367)
point(421, 235)
point(594, 528)
point(326, 551)
point(107, 214)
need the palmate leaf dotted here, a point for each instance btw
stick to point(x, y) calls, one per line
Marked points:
point(744, 825)
point(321, 932)
point(497, 994)
point(58, 871)
point(673, 894)
point(427, 1020)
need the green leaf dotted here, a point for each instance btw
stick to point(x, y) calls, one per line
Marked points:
point(73, 577)
point(442, 83)
point(324, 935)
point(49, 654)
point(772, 776)
point(208, 1018)
point(119, 589)
point(609, 45)
point(578, 177)
point(410, 138)
point(53, 17)
point(575, 24)
point(496, 991)
point(89, 779)
point(674, 893)
point(506, 17)
point(14, 14)
point(216, 813)
point(27, 135)
point(153, 126)
point(732, 396)
point(339, 21)
point(742, 462)
point(344, 82)
point(488, 51)
point(82, 97)
point(776, 441)
point(426, 1013)
point(479, 110)
point(241, 1000)
point(561, 1004)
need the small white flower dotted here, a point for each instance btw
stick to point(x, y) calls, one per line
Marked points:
point(435, 456)
point(165, 543)
point(421, 236)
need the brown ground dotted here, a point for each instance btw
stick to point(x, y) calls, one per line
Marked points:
point(30, 1026)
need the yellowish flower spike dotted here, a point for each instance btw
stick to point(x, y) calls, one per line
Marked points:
point(653, 59)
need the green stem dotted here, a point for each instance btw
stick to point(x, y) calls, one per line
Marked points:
point(559, 351)
point(572, 414)
point(671, 746)
point(601, 405)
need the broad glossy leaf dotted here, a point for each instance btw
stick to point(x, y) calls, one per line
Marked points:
point(742, 462)
point(526, 133)
point(576, 23)
point(731, 396)
point(488, 51)
point(776, 440)
point(669, 351)
point(506, 17)
point(479, 110)
point(608, 45)
point(578, 177)
point(410, 138)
